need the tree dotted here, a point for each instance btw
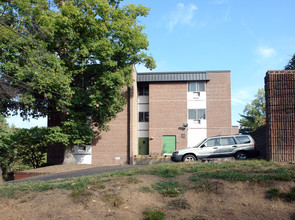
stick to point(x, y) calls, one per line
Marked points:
point(291, 64)
point(69, 60)
point(6, 152)
point(254, 114)
point(30, 145)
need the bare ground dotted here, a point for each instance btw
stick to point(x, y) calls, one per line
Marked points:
point(122, 199)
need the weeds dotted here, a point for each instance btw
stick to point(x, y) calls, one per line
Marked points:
point(168, 188)
point(145, 189)
point(204, 185)
point(275, 193)
point(150, 214)
point(161, 170)
point(251, 170)
point(178, 204)
point(240, 174)
point(112, 199)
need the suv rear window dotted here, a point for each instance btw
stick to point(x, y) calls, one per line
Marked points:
point(243, 139)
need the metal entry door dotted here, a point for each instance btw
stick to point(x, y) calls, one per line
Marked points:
point(143, 146)
point(169, 144)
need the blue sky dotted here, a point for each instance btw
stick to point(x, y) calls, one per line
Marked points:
point(247, 37)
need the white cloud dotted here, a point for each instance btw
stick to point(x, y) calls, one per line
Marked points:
point(140, 68)
point(227, 17)
point(242, 97)
point(183, 15)
point(265, 52)
point(236, 101)
point(220, 2)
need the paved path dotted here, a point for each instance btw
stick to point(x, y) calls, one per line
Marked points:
point(77, 173)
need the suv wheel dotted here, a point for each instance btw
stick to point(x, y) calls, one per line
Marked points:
point(241, 155)
point(189, 158)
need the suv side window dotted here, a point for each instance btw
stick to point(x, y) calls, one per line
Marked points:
point(243, 139)
point(227, 141)
point(213, 142)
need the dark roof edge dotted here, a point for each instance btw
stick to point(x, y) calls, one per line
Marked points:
point(184, 72)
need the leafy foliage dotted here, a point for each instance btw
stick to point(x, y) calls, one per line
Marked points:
point(291, 64)
point(69, 60)
point(254, 114)
point(6, 152)
point(30, 145)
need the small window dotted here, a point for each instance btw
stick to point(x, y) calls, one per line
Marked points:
point(227, 141)
point(196, 114)
point(213, 142)
point(196, 86)
point(143, 117)
point(143, 90)
point(243, 139)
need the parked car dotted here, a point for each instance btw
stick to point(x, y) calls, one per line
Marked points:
point(239, 146)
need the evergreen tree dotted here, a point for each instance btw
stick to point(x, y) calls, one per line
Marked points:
point(254, 114)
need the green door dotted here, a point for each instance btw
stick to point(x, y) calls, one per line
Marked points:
point(143, 146)
point(169, 144)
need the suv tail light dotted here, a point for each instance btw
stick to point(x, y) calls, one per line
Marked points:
point(255, 146)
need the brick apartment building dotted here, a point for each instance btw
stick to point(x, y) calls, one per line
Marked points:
point(165, 111)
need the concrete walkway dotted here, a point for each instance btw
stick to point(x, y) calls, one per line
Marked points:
point(77, 173)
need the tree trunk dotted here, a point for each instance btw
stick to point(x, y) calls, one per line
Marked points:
point(1, 179)
point(69, 155)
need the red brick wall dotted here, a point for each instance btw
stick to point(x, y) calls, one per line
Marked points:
point(113, 143)
point(116, 145)
point(218, 94)
point(280, 115)
point(168, 112)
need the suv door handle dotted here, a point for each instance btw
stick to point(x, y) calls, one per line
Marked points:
point(215, 147)
point(234, 146)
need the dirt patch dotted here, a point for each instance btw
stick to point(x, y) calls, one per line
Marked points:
point(60, 168)
point(127, 198)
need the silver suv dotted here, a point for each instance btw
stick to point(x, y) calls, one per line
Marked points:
point(239, 146)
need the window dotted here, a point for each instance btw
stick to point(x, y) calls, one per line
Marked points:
point(197, 86)
point(213, 142)
point(143, 117)
point(196, 114)
point(227, 141)
point(243, 139)
point(143, 90)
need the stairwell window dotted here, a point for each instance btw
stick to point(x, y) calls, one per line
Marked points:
point(143, 117)
point(196, 114)
point(197, 86)
point(143, 90)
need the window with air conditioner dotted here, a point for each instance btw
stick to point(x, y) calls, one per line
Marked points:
point(196, 114)
point(197, 87)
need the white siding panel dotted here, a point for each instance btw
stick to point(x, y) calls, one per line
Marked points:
point(143, 99)
point(195, 96)
point(142, 134)
point(196, 136)
point(143, 126)
point(196, 104)
point(143, 107)
point(83, 159)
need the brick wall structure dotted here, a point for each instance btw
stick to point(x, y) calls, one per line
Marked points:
point(168, 112)
point(218, 93)
point(115, 147)
point(280, 115)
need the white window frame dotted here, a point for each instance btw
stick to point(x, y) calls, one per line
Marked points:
point(196, 86)
point(196, 114)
